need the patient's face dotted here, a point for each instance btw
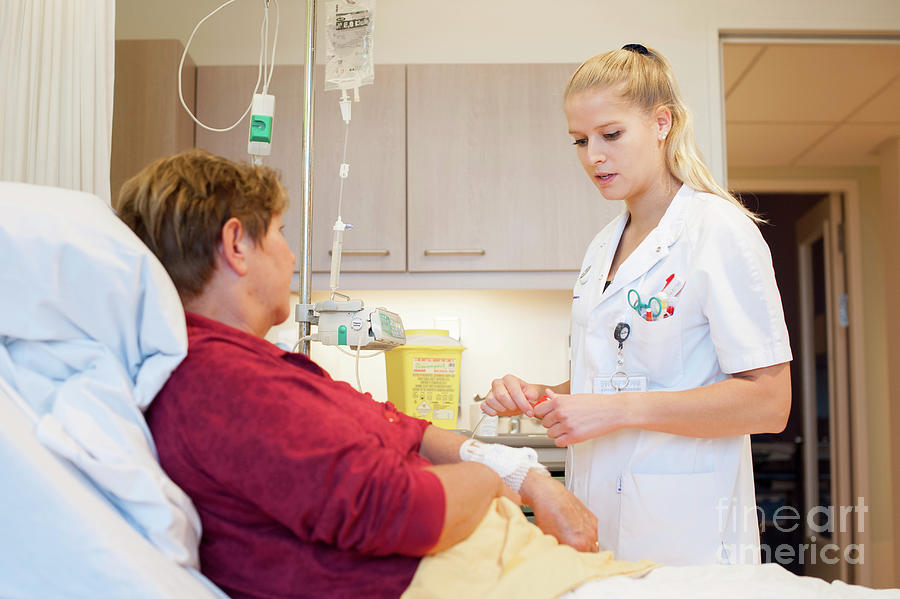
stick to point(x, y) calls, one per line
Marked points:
point(273, 266)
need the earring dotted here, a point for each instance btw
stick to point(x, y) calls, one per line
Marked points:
point(662, 136)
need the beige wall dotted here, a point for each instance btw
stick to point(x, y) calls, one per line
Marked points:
point(525, 332)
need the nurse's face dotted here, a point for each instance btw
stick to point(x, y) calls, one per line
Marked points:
point(618, 144)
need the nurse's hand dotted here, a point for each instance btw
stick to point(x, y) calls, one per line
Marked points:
point(510, 396)
point(559, 513)
point(575, 418)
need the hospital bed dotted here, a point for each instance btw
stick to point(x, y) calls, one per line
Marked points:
point(90, 328)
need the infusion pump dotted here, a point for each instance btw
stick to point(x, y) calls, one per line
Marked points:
point(351, 324)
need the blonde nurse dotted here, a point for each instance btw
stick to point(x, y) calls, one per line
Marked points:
point(679, 346)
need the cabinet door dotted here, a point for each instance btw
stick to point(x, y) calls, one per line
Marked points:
point(494, 182)
point(148, 121)
point(374, 194)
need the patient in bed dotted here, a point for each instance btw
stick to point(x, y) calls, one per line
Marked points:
point(305, 487)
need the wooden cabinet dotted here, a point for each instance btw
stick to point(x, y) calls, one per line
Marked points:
point(148, 119)
point(494, 183)
point(477, 156)
point(374, 193)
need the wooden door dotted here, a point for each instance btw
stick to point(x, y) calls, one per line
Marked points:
point(824, 363)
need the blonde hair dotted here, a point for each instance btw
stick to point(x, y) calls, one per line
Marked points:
point(178, 205)
point(644, 78)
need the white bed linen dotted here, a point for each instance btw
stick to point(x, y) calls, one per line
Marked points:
point(61, 538)
point(767, 581)
point(90, 329)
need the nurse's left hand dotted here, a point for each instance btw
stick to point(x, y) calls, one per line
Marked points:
point(575, 418)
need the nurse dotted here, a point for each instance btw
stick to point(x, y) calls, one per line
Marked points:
point(679, 346)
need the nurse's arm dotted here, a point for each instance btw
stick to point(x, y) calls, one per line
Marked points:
point(750, 402)
point(754, 401)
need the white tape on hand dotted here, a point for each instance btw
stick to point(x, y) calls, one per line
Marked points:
point(510, 463)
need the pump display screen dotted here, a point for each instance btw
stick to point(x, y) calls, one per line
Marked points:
point(388, 326)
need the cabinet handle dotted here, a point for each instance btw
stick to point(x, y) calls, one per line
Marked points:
point(364, 252)
point(469, 252)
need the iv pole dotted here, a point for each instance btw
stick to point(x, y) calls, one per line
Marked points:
point(306, 169)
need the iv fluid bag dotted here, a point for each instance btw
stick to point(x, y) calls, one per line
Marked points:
point(350, 36)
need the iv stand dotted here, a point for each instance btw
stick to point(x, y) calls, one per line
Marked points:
point(306, 170)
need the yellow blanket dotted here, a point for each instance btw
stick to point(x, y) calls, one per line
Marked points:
point(507, 556)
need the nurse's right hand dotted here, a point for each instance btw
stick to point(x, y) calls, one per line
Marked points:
point(510, 396)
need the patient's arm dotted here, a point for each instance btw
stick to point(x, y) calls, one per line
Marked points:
point(559, 513)
point(441, 446)
point(469, 489)
point(556, 511)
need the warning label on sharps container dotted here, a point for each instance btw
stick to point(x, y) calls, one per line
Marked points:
point(435, 387)
point(434, 366)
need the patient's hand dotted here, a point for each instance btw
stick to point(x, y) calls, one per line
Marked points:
point(559, 513)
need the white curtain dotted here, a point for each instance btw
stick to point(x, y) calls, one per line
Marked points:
point(56, 92)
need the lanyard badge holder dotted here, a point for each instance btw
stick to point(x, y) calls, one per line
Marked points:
point(619, 379)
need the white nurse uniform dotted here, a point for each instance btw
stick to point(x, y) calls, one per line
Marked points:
point(674, 499)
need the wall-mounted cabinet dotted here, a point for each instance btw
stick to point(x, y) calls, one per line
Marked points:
point(453, 168)
point(494, 183)
point(148, 119)
point(374, 193)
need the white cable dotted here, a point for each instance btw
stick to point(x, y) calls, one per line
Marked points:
point(259, 74)
point(268, 79)
point(374, 353)
point(299, 341)
point(358, 345)
point(265, 44)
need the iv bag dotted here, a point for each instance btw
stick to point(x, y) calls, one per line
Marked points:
point(350, 37)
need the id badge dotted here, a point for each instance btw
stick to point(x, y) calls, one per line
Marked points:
point(604, 384)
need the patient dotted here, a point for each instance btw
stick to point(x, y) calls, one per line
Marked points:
point(305, 487)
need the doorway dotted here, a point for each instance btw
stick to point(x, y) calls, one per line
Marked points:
point(819, 460)
point(778, 459)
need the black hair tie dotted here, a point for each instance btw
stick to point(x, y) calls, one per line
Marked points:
point(639, 48)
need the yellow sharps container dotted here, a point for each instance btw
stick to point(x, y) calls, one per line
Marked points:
point(423, 376)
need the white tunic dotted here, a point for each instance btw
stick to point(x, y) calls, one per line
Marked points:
point(674, 499)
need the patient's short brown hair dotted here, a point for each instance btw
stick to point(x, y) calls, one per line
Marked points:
point(178, 205)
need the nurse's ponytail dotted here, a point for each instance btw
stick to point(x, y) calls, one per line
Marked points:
point(645, 79)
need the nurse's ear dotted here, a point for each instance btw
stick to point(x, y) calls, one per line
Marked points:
point(663, 117)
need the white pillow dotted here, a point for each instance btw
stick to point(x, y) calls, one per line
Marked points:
point(90, 329)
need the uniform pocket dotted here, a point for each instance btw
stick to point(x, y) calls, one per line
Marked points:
point(655, 349)
point(670, 518)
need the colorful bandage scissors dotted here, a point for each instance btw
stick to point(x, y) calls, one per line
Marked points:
point(640, 308)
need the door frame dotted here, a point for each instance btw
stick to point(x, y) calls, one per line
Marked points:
point(861, 573)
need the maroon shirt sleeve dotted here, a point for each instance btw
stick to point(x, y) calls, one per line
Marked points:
point(327, 462)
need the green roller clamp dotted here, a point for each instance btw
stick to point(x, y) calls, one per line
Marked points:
point(342, 335)
point(261, 128)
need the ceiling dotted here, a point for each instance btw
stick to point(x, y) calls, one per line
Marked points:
point(809, 104)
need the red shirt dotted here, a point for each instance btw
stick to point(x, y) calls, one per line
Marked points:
point(305, 487)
